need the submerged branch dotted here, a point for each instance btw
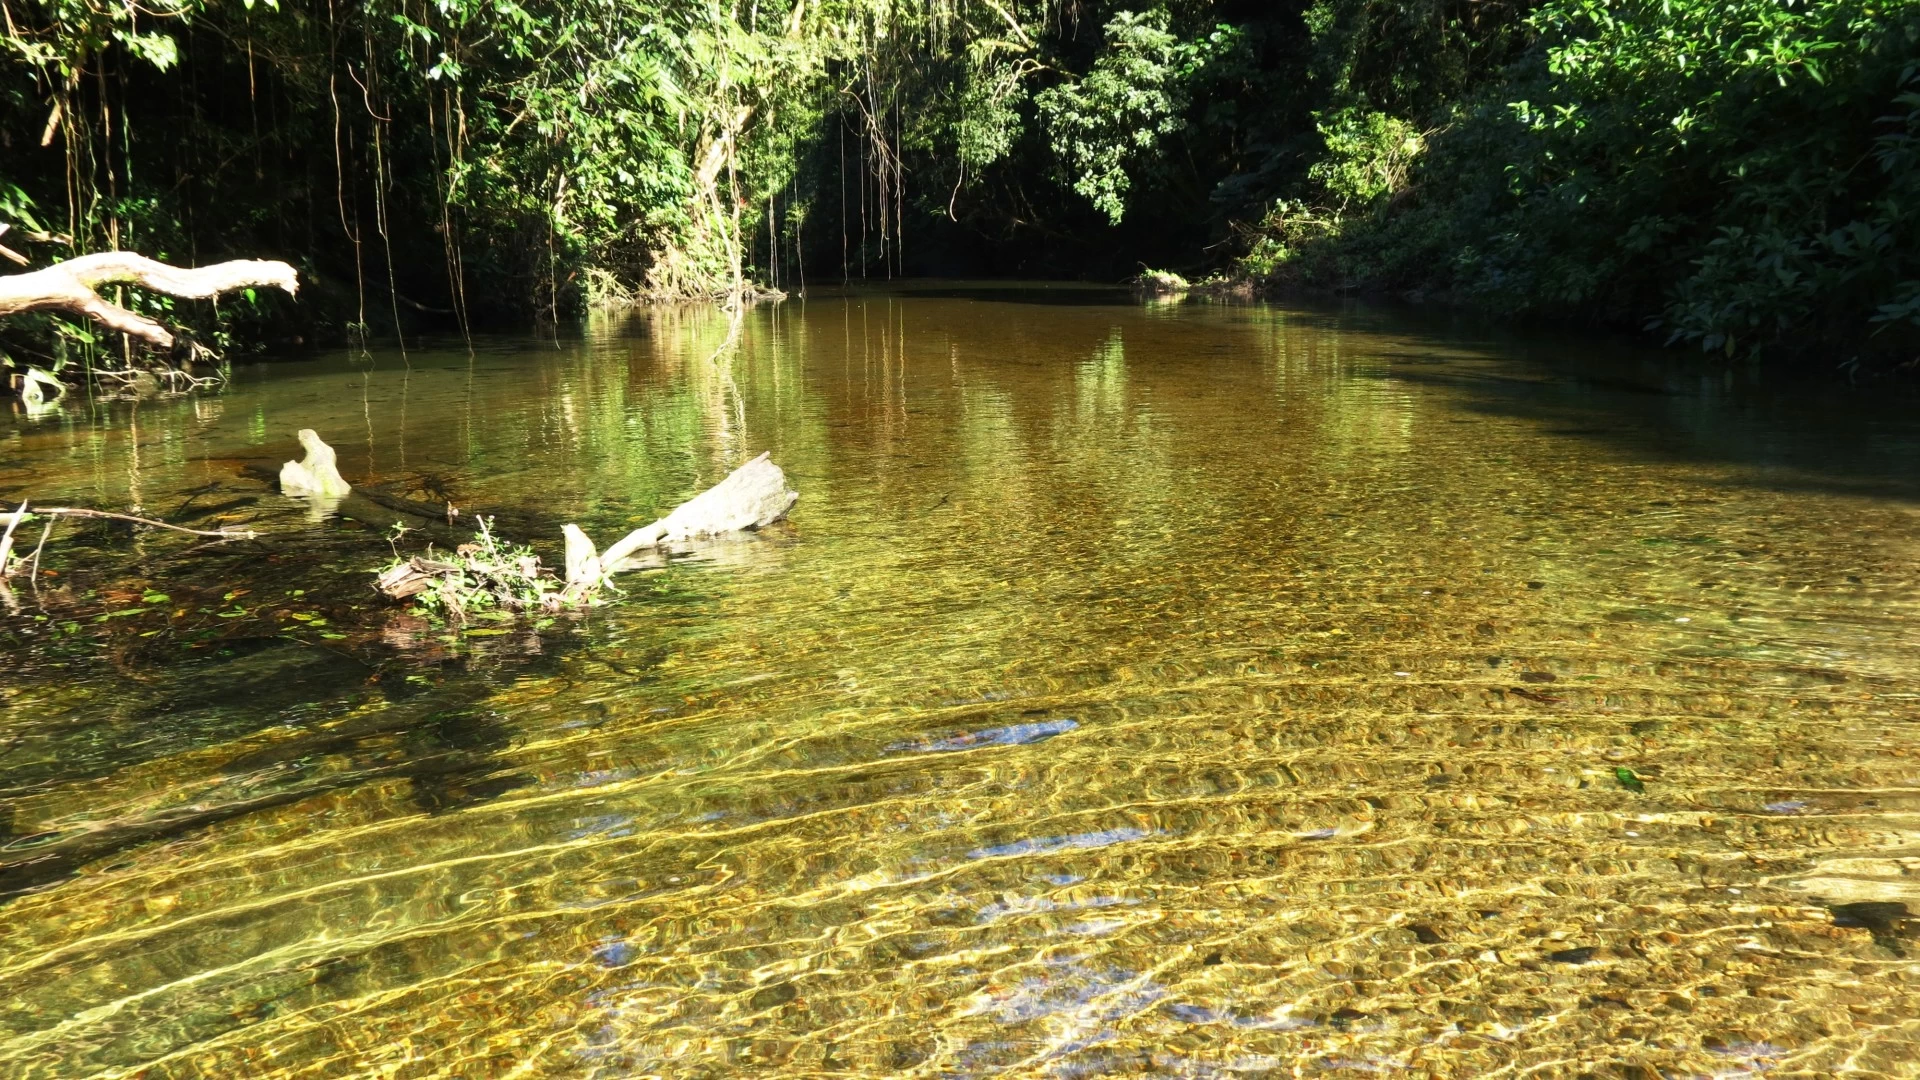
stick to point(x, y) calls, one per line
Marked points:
point(10, 519)
point(9, 563)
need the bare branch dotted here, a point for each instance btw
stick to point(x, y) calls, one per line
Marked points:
point(72, 511)
point(70, 286)
point(7, 252)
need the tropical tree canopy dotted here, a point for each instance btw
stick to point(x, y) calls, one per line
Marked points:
point(1737, 175)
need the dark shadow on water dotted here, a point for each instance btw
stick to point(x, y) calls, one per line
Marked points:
point(1784, 432)
point(1041, 293)
point(438, 739)
point(448, 757)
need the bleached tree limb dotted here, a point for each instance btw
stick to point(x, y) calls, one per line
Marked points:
point(6, 540)
point(316, 475)
point(71, 286)
point(7, 252)
point(751, 497)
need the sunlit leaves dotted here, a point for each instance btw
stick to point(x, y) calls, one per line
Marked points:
point(1136, 93)
point(153, 48)
point(1705, 165)
point(1368, 154)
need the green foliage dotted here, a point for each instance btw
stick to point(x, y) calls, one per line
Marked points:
point(1290, 244)
point(1136, 93)
point(69, 34)
point(1368, 155)
point(16, 208)
point(988, 122)
point(1162, 281)
point(531, 141)
point(1737, 174)
point(488, 574)
point(1410, 58)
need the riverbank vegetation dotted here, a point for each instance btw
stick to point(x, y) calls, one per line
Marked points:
point(1737, 177)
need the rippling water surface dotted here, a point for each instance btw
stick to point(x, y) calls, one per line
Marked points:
point(1189, 691)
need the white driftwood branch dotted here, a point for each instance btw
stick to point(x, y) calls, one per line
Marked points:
point(584, 569)
point(7, 252)
point(754, 495)
point(316, 474)
point(71, 286)
point(6, 540)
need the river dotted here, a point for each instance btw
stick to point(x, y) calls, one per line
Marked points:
point(1187, 690)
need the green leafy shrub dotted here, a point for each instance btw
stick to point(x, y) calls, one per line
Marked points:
point(1737, 175)
point(1368, 155)
point(1136, 93)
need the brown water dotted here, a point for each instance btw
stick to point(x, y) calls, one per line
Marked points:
point(1185, 691)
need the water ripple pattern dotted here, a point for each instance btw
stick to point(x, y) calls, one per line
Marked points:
point(1178, 691)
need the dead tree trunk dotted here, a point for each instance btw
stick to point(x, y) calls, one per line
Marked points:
point(70, 287)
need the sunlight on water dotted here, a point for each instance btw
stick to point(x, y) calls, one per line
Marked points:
point(1175, 691)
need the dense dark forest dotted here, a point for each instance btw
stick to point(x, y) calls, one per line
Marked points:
point(1737, 176)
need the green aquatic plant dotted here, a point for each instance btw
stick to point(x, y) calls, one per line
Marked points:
point(485, 574)
point(490, 573)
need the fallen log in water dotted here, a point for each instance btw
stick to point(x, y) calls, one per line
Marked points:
point(485, 571)
point(488, 572)
point(380, 508)
point(751, 497)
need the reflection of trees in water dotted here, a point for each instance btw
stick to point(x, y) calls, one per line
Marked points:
point(649, 409)
point(137, 743)
point(644, 411)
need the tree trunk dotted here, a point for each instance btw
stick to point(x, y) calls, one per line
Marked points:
point(70, 287)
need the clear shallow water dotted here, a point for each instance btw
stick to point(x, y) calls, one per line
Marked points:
point(1146, 691)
